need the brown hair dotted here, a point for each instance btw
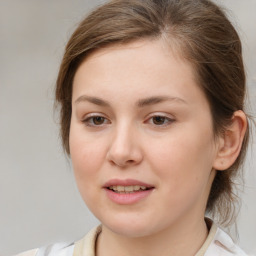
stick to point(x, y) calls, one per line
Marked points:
point(201, 33)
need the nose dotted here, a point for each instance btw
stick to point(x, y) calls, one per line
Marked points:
point(124, 148)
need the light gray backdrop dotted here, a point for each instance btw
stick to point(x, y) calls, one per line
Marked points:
point(39, 202)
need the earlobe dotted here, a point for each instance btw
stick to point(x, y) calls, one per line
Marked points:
point(230, 143)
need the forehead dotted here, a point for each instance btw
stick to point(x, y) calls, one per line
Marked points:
point(156, 50)
point(144, 67)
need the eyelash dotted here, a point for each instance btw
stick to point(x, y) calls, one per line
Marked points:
point(90, 120)
point(167, 120)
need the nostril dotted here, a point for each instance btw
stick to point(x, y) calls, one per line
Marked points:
point(124, 156)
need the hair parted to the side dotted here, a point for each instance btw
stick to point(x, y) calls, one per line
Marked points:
point(201, 33)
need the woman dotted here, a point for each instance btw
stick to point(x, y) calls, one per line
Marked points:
point(152, 116)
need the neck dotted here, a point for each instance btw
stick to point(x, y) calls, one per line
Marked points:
point(183, 239)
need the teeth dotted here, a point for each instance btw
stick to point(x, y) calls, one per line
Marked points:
point(127, 189)
point(136, 188)
point(120, 188)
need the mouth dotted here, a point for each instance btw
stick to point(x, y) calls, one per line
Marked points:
point(127, 192)
point(127, 186)
point(128, 189)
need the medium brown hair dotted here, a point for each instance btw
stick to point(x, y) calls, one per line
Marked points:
point(200, 31)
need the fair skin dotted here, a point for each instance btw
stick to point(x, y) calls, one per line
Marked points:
point(139, 117)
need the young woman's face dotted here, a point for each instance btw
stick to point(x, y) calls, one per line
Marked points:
point(141, 139)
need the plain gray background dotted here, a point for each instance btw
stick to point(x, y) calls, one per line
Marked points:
point(39, 202)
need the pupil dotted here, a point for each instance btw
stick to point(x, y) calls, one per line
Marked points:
point(98, 120)
point(158, 119)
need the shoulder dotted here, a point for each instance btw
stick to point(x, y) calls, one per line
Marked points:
point(28, 253)
point(223, 245)
point(57, 249)
point(85, 246)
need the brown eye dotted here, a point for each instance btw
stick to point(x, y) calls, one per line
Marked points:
point(98, 120)
point(159, 120)
point(94, 121)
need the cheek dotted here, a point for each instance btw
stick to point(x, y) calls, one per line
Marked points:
point(184, 160)
point(87, 156)
point(183, 169)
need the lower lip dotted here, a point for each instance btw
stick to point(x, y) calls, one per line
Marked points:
point(127, 198)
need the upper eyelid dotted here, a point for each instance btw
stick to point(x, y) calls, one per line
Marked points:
point(151, 115)
point(148, 115)
point(168, 116)
point(168, 119)
point(86, 116)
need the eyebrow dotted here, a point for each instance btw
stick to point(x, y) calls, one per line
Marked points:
point(94, 100)
point(140, 103)
point(158, 99)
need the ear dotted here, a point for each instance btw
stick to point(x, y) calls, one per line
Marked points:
point(230, 143)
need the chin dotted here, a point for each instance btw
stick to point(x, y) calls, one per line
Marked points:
point(130, 231)
point(131, 227)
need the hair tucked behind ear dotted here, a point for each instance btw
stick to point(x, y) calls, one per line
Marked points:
point(201, 33)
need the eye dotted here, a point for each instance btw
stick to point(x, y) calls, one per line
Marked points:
point(95, 120)
point(160, 120)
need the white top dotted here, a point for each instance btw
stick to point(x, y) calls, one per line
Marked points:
point(218, 243)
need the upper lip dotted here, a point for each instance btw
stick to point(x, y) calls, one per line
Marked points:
point(126, 182)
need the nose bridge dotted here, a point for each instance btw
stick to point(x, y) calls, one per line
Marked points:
point(124, 147)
